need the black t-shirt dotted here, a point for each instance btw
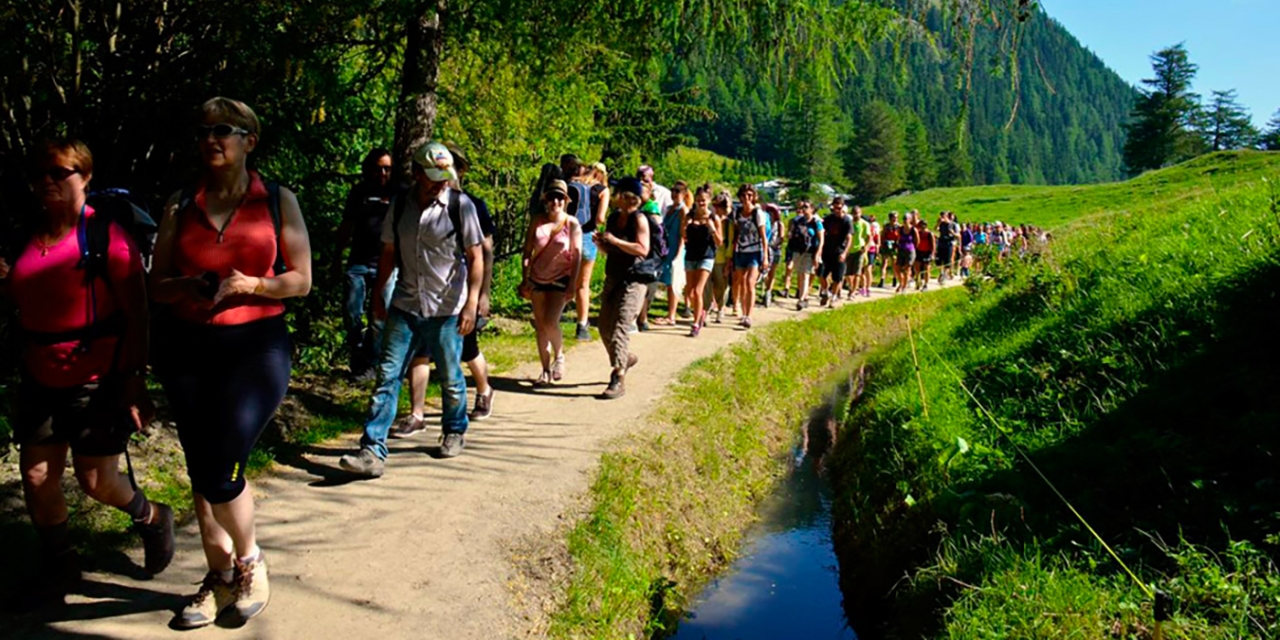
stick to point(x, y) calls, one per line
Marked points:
point(837, 228)
point(366, 206)
point(590, 226)
point(487, 228)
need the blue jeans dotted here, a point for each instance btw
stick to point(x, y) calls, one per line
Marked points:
point(362, 345)
point(403, 335)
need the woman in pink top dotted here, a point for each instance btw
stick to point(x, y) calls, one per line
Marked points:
point(552, 255)
point(84, 324)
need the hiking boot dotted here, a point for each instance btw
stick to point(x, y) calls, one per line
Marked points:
point(880, 285)
point(364, 463)
point(583, 333)
point(616, 389)
point(251, 590)
point(214, 596)
point(59, 576)
point(800, 305)
point(410, 426)
point(451, 444)
point(157, 539)
point(484, 406)
point(822, 298)
point(694, 331)
point(557, 368)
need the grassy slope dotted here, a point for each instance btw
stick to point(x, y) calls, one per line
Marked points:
point(1052, 207)
point(1135, 363)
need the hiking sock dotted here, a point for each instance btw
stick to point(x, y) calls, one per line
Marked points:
point(138, 509)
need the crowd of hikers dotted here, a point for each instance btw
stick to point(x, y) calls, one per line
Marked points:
point(207, 318)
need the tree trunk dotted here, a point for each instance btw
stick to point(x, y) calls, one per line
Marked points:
point(416, 111)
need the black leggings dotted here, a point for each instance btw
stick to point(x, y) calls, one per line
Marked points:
point(224, 383)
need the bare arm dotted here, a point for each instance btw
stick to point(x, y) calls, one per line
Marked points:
point(475, 280)
point(604, 208)
point(296, 281)
point(386, 264)
point(639, 248)
point(166, 287)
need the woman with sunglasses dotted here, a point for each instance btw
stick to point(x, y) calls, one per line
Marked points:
point(625, 242)
point(84, 358)
point(228, 252)
point(552, 258)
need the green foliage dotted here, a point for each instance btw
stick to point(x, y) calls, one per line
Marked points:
point(875, 158)
point(1130, 360)
point(1270, 139)
point(920, 172)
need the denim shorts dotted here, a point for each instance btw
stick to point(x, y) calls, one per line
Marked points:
point(700, 265)
point(748, 260)
point(589, 248)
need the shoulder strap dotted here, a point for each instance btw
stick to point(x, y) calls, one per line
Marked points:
point(455, 217)
point(397, 209)
point(273, 205)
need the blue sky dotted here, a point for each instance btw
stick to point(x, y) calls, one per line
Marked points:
point(1235, 42)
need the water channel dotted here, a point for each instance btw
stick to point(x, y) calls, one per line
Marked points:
point(786, 584)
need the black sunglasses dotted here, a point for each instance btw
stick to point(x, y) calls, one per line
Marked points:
point(554, 196)
point(55, 173)
point(219, 131)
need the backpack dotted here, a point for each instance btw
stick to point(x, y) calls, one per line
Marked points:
point(804, 235)
point(649, 268)
point(273, 206)
point(582, 198)
point(94, 234)
point(453, 207)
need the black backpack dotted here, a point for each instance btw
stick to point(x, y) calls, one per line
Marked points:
point(94, 234)
point(273, 206)
point(647, 269)
point(804, 235)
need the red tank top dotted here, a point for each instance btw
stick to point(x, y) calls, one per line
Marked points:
point(248, 244)
point(53, 297)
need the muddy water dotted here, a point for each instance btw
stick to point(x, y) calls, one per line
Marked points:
point(786, 584)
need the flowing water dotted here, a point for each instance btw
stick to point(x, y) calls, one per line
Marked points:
point(786, 584)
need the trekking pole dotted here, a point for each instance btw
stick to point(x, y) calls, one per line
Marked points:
point(924, 402)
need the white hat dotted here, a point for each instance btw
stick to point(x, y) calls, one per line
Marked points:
point(436, 162)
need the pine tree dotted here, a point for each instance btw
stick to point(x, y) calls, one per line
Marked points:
point(1270, 140)
point(1162, 128)
point(874, 159)
point(1227, 124)
point(810, 136)
point(955, 162)
point(920, 170)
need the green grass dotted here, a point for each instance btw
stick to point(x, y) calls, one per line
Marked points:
point(1133, 362)
point(1052, 207)
point(668, 506)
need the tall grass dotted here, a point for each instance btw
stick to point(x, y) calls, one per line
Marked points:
point(1133, 363)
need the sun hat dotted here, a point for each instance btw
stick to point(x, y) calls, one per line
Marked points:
point(436, 162)
point(556, 186)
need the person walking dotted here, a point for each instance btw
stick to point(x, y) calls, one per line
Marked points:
point(750, 253)
point(628, 269)
point(672, 276)
point(434, 235)
point(906, 253)
point(773, 244)
point(702, 235)
point(84, 334)
point(360, 230)
point(472, 356)
point(227, 253)
point(889, 247)
point(838, 227)
point(926, 248)
point(804, 242)
point(722, 274)
point(596, 177)
point(856, 259)
point(551, 258)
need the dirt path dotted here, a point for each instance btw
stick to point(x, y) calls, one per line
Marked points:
point(424, 551)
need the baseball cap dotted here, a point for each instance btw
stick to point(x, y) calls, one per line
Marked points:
point(436, 162)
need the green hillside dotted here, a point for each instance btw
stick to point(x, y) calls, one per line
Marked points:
point(1133, 361)
point(1054, 206)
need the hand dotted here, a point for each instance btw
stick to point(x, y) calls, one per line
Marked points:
point(236, 284)
point(136, 399)
point(378, 307)
point(4, 268)
point(482, 309)
point(467, 319)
